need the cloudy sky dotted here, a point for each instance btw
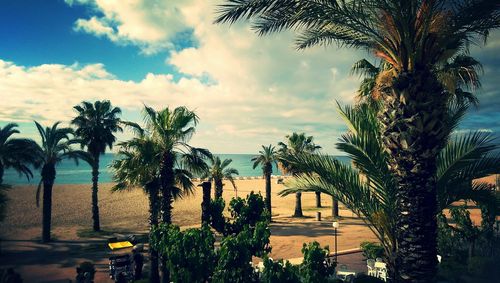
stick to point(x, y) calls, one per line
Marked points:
point(247, 90)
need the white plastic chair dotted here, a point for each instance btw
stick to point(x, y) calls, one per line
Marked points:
point(381, 269)
point(370, 264)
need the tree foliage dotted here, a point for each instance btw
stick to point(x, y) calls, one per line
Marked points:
point(190, 253)
point(245, 213)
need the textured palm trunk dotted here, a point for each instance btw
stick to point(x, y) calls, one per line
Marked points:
point(153, 191)
point(48, 176)
point(413, 133)
point(205, 203)
point(218, 188)
point(268, 194)
point(95, 190)
point(167, 179)
point(318, 199)
point(298, 205)
point(335, 208)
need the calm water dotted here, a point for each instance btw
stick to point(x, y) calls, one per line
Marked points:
point(70, 173)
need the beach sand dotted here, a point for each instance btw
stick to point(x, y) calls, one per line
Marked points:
point(127, 212)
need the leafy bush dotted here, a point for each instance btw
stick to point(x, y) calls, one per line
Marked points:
point(235, 255)
point(279, 272)
point(190, 254)
point(244, 212)
point(372, 250)
point(315, 267)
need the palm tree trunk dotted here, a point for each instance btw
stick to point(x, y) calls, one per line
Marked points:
point(413, 122)
point(318, 199)
point(298, 205)
point(48, 176)
point(335, 208)
point(167, 179)
point(95, 189)
point(153, 191)
point(218, 188)
point(167, 182)
point(268, 194)
point(205, 203)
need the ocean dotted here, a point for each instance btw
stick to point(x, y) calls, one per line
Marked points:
point(70, 173)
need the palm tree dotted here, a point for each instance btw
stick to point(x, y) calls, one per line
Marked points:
point(171, 131)
point(96, 125)
point(461, 74)
point(138, 164)
point(414, 38)
point(217, 172)
point(266, 158)
point(373, 198)
point(296, 144)
point(55, 147)
point(15, 153)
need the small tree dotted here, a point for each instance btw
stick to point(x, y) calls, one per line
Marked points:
point(266, 158)
point(279, 272)
point(315, 268)
point(244, 212)
point(190, 254)
point(217, 171)
point(235, 257)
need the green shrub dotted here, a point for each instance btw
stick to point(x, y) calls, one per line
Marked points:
point(279, 272)
point(315, 267)
point(372, 250)
point(244, 212)
point(190, 253)
point(234, 259)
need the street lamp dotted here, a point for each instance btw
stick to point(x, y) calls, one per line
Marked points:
point(335, 226)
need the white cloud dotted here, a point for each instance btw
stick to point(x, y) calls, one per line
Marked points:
point(262, 87)
point(149, 24)
point(95, 26)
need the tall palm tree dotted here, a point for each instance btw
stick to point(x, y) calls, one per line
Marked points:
point(217, 172)
point(266, 158)
point(296, 144)
point(171, 131)
point(414, 38)
point(55, 147)
point(138, 164)
point(456, 77)
point(96, 125)
point(465, 158)
point(16, 153)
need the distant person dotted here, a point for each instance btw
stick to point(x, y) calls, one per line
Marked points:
point(138, 264)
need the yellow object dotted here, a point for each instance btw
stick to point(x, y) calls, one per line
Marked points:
point(120, 245)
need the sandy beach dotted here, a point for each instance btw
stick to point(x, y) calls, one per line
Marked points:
point(127, 212)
